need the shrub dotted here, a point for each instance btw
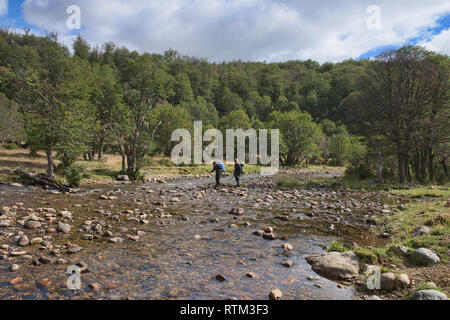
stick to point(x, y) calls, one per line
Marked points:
point(135, 175)
point(74, 174)
point(360, 172)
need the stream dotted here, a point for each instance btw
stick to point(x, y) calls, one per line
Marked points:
point(182, 236)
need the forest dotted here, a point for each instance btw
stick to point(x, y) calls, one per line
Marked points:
point(385, 118)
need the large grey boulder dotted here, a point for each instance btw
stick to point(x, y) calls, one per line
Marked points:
point(429, 295)
point(425, 257)
point(335, 265)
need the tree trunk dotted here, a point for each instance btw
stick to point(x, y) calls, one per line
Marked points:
point(444, 166)
point(124, 158)
point(380, 168)
point(401, 170)
point(431, 164)
point(50, 165)
point(100, 148)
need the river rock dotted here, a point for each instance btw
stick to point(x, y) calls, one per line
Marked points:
point(269, 236)
point(45, 260)
point(74, 249)
point(123, 178)
point(65, 214)
point(237, 211)
point(287, 263)
point(258, 232)
point(31, 224)
point(63, 227)
point(95, 287)
point(220, 277)
point(14, 268)
point(430, 295)
point(5, 223)
point(275, 294)
point(37, 241)
point(287, 247)
point(425, 256)
point(88, 237)
point(23, 241)
point(421, 231)
point(391, 281)
point(335, 265)
point(116, 240)
point(399, 250)
point(403, 281)
point(387, 281)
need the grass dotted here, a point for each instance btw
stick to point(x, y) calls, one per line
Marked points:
point(289, 183)
point(106, 169)
point(432, 212)
point(423, 192)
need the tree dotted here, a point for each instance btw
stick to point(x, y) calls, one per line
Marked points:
point(237, 119)
point(228, 101)
point(403, 90)
point(170, 118)
point(182, 90)
point(146, 84)
point(202, 110)
point(110, 113)
point(55, 104)
point(81, 47)
point(11, 121)
point(300, 136)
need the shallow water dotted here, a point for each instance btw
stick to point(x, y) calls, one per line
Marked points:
point(168, 262)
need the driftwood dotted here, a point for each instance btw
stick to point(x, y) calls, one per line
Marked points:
point(43, 181)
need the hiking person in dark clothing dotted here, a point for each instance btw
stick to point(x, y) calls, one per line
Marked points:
point(218, 169)
point(237, 171)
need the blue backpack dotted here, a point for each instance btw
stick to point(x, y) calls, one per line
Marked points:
point(222, 166)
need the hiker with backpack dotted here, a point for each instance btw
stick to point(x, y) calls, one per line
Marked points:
point(218, 168)
point(238, 171)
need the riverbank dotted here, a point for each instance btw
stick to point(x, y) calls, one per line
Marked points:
point(417, 229)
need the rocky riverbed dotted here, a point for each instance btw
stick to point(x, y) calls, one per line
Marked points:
point(180, 239)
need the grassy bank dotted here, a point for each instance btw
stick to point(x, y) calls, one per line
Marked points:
point(106, 169)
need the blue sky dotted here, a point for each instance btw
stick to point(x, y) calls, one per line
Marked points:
point(255, 30)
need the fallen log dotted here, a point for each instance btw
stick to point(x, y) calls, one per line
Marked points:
point(43, 181)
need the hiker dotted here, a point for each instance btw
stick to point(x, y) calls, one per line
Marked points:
point(218, 169)
point(237, 171)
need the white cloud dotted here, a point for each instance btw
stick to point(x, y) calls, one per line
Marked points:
point(439, 43)
point(3, 7)
point(272, 30)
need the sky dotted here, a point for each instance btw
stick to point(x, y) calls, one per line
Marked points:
point(248, 30)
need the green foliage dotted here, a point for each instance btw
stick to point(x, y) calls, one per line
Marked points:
point(171, 118)
point(299, 136)
point(201, 110)
point(11, 121)
point(337, 246)
point(237, 119)
point(74, 174)
point(361, 172)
